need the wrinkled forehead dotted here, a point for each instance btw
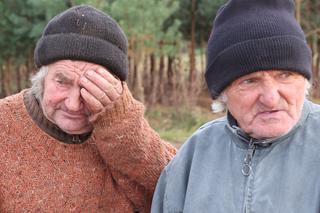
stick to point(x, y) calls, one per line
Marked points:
point(269, 73)
point(72, 68)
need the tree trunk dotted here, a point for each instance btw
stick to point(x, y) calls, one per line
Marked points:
point(138, 74)
point(298, 11)
point(181, 88)
point(146, 78)
point(170, 81)
point(315, 67)
point(161, 94)
point(2, 89)
point(153, 79)
point(18, 79)
point(30, 70)
point(152, 69)
point(192, 74)
point(131, 68)
point(7, 77)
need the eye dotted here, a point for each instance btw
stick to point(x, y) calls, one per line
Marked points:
point(284, 75)
point(248, 83)
point(59, 81)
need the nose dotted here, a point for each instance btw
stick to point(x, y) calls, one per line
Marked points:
point(269, 94)
point(74, 101)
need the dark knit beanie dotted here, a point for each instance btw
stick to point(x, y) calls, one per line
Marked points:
point(87, 34)
point(255, 35)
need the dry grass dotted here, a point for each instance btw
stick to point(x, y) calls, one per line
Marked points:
point(177, 124)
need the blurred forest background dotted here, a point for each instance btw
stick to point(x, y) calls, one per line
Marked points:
point(167, 52)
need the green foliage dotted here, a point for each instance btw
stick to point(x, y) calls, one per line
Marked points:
point(142, 21)
point(205, 13)
point(99, 4)
point(21, 24)
point(177, 124)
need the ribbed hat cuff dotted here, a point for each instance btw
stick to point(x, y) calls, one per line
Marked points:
point(81, 47)
point(273, 53)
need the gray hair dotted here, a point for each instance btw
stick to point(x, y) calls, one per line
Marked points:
point(37, 82)
point(220, 104)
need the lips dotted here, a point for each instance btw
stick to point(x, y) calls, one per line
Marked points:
point(74, 115)
point(269, 112)
point(272, 114)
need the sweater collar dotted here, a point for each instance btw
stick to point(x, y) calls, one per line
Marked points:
point(36, 113)
point(244, 137)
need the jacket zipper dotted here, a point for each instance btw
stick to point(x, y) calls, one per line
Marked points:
point(246, 168)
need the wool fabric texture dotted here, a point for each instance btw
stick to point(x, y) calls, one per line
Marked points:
point(250, 36)
point(114, 170)
point(84, 33)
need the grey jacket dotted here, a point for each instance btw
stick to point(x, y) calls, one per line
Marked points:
point(220, 169)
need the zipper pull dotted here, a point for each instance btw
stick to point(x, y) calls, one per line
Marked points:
point(246, 169)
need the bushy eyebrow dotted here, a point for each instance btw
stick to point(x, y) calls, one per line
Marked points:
point(61, 76)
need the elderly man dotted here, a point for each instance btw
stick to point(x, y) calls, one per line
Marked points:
point(263, 156)
point(77, 140)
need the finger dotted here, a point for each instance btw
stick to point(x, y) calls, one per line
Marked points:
point(102, 83)
point(92, 103)
point(113, 80)
point(95, 91)
point(99, 80)
point(107, 75)
point(119, 87)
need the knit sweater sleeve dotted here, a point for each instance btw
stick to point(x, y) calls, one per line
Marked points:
point(132, 150)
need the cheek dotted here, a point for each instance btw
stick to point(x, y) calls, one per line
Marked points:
point(300, 95)
point(296, 104)
point(241, 106)
point(294, 97)
point(49, 104)
point(244, 116)
point(52, 97)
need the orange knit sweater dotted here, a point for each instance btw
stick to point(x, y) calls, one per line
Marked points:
point(115, 170)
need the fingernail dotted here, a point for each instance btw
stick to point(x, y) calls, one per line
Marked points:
point(101, 71)
point(84, 80)
point(89, 73)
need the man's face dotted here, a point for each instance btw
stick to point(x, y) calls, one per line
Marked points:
point(62, 103)
point(266, 104)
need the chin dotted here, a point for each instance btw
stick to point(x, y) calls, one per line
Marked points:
point(270, 134)
point(76, 130)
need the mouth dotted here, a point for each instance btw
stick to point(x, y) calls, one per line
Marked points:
point(269, 114)
point(75, 115)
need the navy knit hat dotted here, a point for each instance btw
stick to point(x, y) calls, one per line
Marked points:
point(87, 34)
point(255, 35)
